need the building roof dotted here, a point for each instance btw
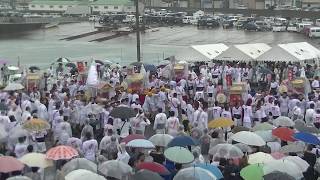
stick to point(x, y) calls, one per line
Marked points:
point(113, 2)
point(56, 2)
point(75, 2)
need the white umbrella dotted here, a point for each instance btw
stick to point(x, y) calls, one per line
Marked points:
point(161, 139)
point(248, 138)
point(283, 121)
point(36, 160)
point(302, 164)
point(259, 157)
point(194, 173)
point(13, 87)
point(82, 174)
point(226, 151)
point(13, 68)
point(141, 143)
point(295, 147)
point(79, 163)
point(19, 178)
point(284, 166)
point(244, 148)
point(265, 135)
point(115, 169)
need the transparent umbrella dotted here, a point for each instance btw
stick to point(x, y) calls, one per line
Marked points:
point(115, 169)
point(194, 173)
point(79, 163)
point(227, 151)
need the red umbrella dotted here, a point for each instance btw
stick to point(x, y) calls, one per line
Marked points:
point(284, 133)
point(61, 152)
point(10, 164)
point(132, 137)
point(154, 167)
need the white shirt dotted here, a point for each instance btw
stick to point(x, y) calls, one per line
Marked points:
point(172, 125)
point(216, 112)
point(124, 157)
point(275, 110)
point(160, 120)
point(226, 114)
point(20, 150)
point(310, 113)
point(315, 84)
point(247, 113)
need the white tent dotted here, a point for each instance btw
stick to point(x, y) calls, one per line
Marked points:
point(302, 50)
point(254, 50)
point(191, 55)
point(233, 54)
point(291, 52)
point(210, 50)
point(277, 54)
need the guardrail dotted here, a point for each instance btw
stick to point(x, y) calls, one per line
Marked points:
point(40, 19)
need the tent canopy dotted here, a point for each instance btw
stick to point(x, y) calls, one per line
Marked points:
point(210, 50)
point(191, 55)
point(302, 50)
point(254, 50)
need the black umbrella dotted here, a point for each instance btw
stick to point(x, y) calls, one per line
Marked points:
point(70, 64)
point(278, 176)
point(146, 175)
point(123, 112)
point(150, 67)
point(99, 62)
point(63, 60)
point(34, 68)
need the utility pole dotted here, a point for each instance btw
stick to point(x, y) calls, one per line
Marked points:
point(138, 31)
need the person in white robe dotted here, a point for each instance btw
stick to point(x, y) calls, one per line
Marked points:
point(86, 129)
point(123, 154)
point(26, 115)
point(139, 123)
point(90, 148)
point(160, 121)
point(16, 112)
point(42, 111)
point(174, 104)
point(172, 124)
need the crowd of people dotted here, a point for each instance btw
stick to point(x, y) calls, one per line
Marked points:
point(178, 107)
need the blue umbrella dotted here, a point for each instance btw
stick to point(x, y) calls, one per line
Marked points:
point(183, 141)
point(307, 138)
point(212, 169)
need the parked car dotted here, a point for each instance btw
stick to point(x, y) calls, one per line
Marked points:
point(251, 27)
point(292, 28)
point(227, 24)
point(263, 26)
point(279, 28)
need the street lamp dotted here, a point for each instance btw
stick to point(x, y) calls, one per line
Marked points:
point(138, 31)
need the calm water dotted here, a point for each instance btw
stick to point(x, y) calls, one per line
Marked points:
point(41, 47)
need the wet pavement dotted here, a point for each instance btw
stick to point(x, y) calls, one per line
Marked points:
point(43, 46)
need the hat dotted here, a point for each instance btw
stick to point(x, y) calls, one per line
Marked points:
point(149, 93)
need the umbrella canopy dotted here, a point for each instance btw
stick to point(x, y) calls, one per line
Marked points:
point(61, 152)
point(12, 86)
point(296, 147)
point(146, 175)
point(161, 139)
point(307, 138)
point(71, 65)
point(150, 67)
point(179, 155)
point(19, 178)
point(36, 160)
point(62, 60)
point(212, 169)
point(220, 122)
point(141, 143)
point(10, 164)
point(154, 167)
point(182, 141)
point(17, 132)
point(13, 68)
point(284, 133)
point(79, 163)
point(302, 127)
point(244, 148)
point(277, 175)
point(252, 172)
point(36, 125)
point(277, 155)
point(284, 166)
point(114, 168)
point(302, 164)
point(248, 138)
point(194, 173)
point(99, 62)
point(259, 158)
point(82, 174)
point(262, 127)
point(283, 121)
point(227, 151)
point(123, 112)
point(237, 129)
point(34, 68)
point(132, 137)
point(265, 135)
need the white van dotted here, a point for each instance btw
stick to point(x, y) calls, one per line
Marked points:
point(129, 19)
point(301, 26)
point(314, 32)
point(317, 22)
